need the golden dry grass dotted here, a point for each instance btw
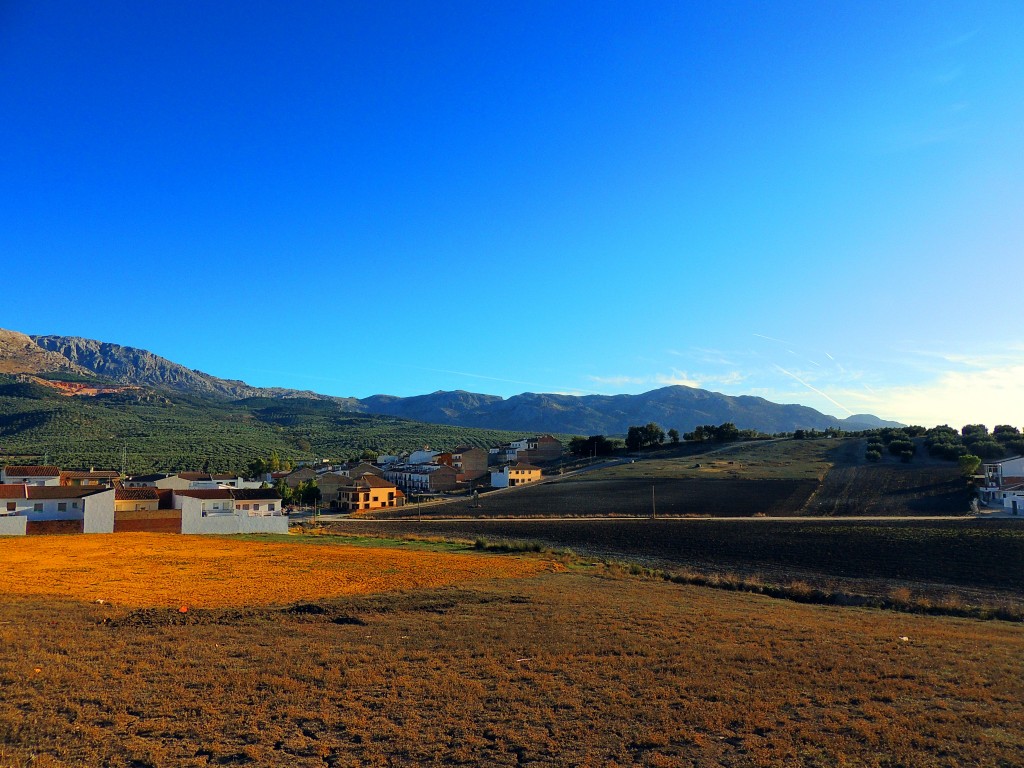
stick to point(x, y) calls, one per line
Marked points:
point(166, 570)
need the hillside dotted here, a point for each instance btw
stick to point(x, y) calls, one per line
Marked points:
point(164, 431)
point(20, 354)
point(129, 365)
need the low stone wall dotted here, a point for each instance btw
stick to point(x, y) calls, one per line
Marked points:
point(49, 527)
point(148, 521)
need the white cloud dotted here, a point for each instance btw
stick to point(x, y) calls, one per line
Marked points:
point(987, 396)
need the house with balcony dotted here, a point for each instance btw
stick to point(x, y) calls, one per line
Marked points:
point(230, 510)
point(469, 462)
point(423, 478)
point(999, 476)
point(540, 448)
point(369, 492)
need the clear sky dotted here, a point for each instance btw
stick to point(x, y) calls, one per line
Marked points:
point(819, 203)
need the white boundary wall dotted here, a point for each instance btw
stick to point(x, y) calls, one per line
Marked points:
point(99, 513)
point(13, 525)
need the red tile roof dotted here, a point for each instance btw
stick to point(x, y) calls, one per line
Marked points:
point(98, 474)
point(12, 491)
point(370, 480)
point(522, 465)
point(62, 491)
point(32, 470)
point(136, 494)
point(255, 494)
point(206, 493)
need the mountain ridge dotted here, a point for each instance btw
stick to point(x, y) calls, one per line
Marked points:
point(676, 406)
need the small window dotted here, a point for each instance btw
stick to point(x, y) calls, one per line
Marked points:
point(11, 506)
point(255, 507)
point(74, 505)
point(37, 507)
point(271, 507)
point(62, 506)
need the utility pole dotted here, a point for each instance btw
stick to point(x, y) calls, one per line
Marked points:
point(654, 511)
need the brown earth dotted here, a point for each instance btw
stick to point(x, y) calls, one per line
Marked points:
point(139, 569)
point(584, 668)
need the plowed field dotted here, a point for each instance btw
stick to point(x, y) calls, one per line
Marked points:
point(144, 570)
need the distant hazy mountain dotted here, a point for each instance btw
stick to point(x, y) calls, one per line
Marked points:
point(678, 407)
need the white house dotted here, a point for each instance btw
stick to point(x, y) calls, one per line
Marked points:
point(424, 456)
point(512, 475)
point(32, 474)
point(34, 503)
point(231, 510)
point(999, 475)
point(1013, 499)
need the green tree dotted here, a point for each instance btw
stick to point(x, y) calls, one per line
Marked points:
point(257, 467)
point(274, 465)
point(1004, 433)
point(673, 436)
point(653, 434)
point(635, 438)
point(969, 464)
point(727, 432)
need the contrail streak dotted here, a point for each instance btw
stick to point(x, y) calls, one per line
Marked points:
point(813, 389)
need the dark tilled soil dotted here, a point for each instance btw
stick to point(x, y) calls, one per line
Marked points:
point(964, 554)
point(631, 498)
point(854, 486)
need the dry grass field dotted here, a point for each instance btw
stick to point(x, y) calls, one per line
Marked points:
point(757, 460)
point(583, 667)
point(165, 570)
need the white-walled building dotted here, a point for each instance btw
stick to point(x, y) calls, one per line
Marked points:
point(93, 507)
point(1000, 475)
point(512, 475)
point(30, 474)
point(230, 510)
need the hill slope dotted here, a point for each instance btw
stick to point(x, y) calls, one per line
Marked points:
point(20, 354)
point(173, 431)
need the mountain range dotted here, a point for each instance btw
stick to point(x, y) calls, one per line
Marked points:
point(678, 407)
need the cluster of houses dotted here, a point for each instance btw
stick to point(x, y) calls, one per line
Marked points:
point(390, 480)
point(45, 499)
point(1001, 484)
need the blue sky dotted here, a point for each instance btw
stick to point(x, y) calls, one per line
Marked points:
point(816, 203)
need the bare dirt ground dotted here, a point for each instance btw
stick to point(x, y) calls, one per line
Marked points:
point(144, 570)
point(581, 668)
